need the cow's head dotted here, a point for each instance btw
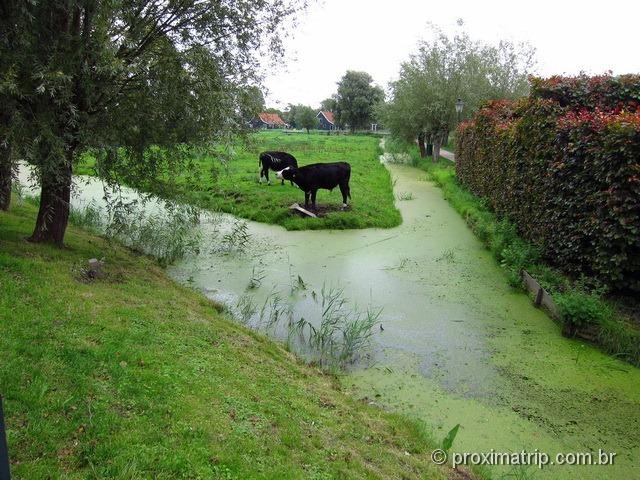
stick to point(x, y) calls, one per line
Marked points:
point(289, 173)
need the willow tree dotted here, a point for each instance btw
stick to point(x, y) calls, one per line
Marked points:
point(13, 20)
point(121, 76)
point(422, 104)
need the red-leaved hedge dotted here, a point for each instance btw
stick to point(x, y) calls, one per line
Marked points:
point(563, 164)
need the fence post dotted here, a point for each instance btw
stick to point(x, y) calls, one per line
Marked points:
point(4, 453)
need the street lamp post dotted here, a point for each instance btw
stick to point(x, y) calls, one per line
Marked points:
point(459, 107)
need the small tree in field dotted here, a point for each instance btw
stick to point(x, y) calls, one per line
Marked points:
point(356, 100)
point(290, 115)
point(422, 105)
point(306, 118)
point(121, 76)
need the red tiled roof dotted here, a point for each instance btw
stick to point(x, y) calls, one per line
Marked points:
point(271, 118)
point(328, 116)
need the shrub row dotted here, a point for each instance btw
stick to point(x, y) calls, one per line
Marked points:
point(563, 165)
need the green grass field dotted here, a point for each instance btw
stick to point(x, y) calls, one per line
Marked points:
point(235, 188)
point(132, 376)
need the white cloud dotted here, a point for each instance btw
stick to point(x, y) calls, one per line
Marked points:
point(375, 36)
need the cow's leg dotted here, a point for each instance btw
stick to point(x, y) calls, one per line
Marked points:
point(306, 199)
point(282, 182)
point(313, 198)
point(261, 174)
point(344, 189)
point(266, 175)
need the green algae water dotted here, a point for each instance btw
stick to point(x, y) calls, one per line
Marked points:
point(459, 346)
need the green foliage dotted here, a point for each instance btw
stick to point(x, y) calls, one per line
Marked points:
point(167, 237)
point(133, 376)
point(305, 117)
point(605, 92)
point(119, 76)
point(356, 100)
point(581, 309)
point(567, 177)
point(444, 69)
point(329, 104)
point(289, 115)
point(447, 442)
point(88, 217)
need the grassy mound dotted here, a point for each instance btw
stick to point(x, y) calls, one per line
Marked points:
point(133, 376)
point(234, 188)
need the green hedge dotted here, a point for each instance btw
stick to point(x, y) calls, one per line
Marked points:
point(563, 165)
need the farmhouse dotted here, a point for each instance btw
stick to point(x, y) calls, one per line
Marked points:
point(326, 120)
point(268, 120)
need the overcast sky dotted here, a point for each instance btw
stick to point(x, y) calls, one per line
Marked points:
point(334, 36)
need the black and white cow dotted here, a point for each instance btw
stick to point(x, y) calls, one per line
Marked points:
point(275, 161)
point(310, 178)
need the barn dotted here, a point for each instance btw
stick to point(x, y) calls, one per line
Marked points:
point(268, 120)
point(326, 120)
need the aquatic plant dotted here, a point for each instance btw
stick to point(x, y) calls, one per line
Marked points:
point(89, 217)
point(334, 338)
point(405, 196)
point(447, 442)
point(238, 238)
point(245, 308)
point(256, 278)
point(167, 237)
point(342, 333)
point(448, 256)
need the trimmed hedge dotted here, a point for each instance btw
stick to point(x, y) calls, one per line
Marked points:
point(563, 165)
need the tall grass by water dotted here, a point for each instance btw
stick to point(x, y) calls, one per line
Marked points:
point(326, 330)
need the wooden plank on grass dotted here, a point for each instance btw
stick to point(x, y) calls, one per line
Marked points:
point(304, 211)
point(542, 297)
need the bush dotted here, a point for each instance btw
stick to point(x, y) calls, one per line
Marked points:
point(580, 309)
point(602, 91)
point(563, 166)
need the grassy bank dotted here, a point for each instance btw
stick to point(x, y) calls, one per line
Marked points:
point(133, 376)
point(234, 187)
point(581, 303)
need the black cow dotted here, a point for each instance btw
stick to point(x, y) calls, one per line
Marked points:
point(319, 175)
point(275, 161)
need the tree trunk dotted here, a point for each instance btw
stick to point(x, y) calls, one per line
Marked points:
point(55, 196)
point(437, 143)
point(6, 170)
point(6, 173)
point(421, 144)
point(429, 140)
